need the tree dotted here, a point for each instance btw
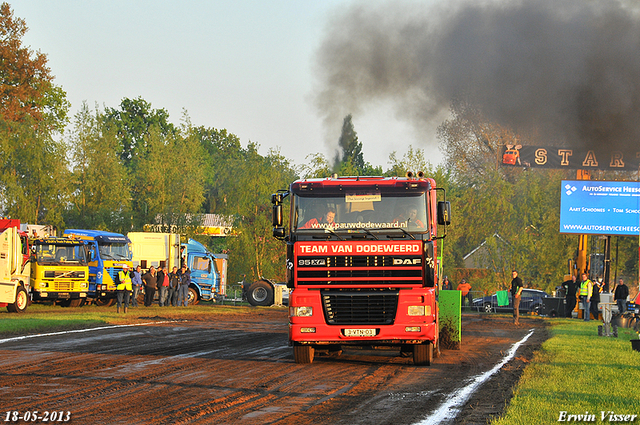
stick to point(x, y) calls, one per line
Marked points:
point(33, 173)
point(25, 78)
point(169, 179)
point(350, 148)
point(413, 160)
point(101, 198)
point(487, 199)
point(132, 123)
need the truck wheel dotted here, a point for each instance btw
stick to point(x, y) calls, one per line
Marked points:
point(260, 293)
point(423, 354)
point(76, 302)
point(193, 296)
point(22, 301)
point(303, 354)
point(101, 302)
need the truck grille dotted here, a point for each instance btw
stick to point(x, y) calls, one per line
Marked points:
point(370, 307)
point(66, 286)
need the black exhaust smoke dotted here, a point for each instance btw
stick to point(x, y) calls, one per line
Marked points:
point(567, 71)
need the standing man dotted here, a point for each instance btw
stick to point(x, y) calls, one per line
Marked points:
point(446, 285)
point(586, 288)
point(595, 296)
point(123, 288)
point(516, 293)
point(174, 284)
point(185, 281)
point(136, 281)
point(620, 295)
point(163, 286)
point(570, 290)
point(150, 284)
point(465, 288)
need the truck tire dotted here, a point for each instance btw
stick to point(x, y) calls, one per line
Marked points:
point(423, 354)
point(260, 293)
point(303, 354)
point(193, 296)
point(101, 302)
point(76, 302)
point(21, 303)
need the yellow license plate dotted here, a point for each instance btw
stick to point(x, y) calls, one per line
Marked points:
point(359, 332)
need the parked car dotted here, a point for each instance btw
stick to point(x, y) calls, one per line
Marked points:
point(530, 302)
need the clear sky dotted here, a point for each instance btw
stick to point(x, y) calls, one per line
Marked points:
point(243, 65)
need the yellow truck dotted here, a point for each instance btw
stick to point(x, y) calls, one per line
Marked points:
point(59, 271)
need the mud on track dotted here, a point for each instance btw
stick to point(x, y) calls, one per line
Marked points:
point(240, 369)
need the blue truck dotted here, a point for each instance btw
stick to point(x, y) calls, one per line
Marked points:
point(108, 253)
point(208, 270)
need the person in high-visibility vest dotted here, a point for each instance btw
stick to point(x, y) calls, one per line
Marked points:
point(123, 287)
point(586, 288)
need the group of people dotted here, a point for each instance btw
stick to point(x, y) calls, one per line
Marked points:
point(589, 292)
point(172, 288)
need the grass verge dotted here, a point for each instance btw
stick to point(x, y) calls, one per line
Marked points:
point(579, 373)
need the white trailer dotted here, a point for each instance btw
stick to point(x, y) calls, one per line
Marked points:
point(15, 271)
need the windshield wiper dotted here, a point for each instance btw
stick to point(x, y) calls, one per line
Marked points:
point(397, 228)
point(367, 232)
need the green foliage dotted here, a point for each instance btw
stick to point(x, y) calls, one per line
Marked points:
point(254, 251)
point(520, 206)
point(101, 197)
point(34, 177)
point(132, 124)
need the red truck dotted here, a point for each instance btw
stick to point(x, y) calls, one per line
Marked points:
point(362, 263)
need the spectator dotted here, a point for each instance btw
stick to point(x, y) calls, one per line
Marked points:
point(123, 288)
point(586, 288)
point(446, 285)
point(620, 295)
point(150, 284)
point(174, 284)
point(185, 282)
point(136, 283)
point(163, 286)
point(465, 288)
point(570, 290)
point(516, 293)
point(595, 296)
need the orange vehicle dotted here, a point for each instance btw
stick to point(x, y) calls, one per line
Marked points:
point(511, 155)
point(367, 275)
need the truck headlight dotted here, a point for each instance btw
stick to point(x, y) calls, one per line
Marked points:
point(419, 310)
point(300, 311)
point(415, 310)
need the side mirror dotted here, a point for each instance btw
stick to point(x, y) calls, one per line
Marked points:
point(277, 215)
point(278, 232)
point(444, 213)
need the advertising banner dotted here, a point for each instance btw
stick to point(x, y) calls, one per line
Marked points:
point(600, 207)
point(570, 158)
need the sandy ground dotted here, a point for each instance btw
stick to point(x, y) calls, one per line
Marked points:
point(240, 369)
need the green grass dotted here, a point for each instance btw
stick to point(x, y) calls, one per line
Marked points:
point(577, 371)
point(41, 318)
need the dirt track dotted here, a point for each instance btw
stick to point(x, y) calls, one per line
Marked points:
point(239, 369)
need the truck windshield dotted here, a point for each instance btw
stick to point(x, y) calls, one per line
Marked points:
point(360, 211)
point(58, 254)
point(114, 251)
